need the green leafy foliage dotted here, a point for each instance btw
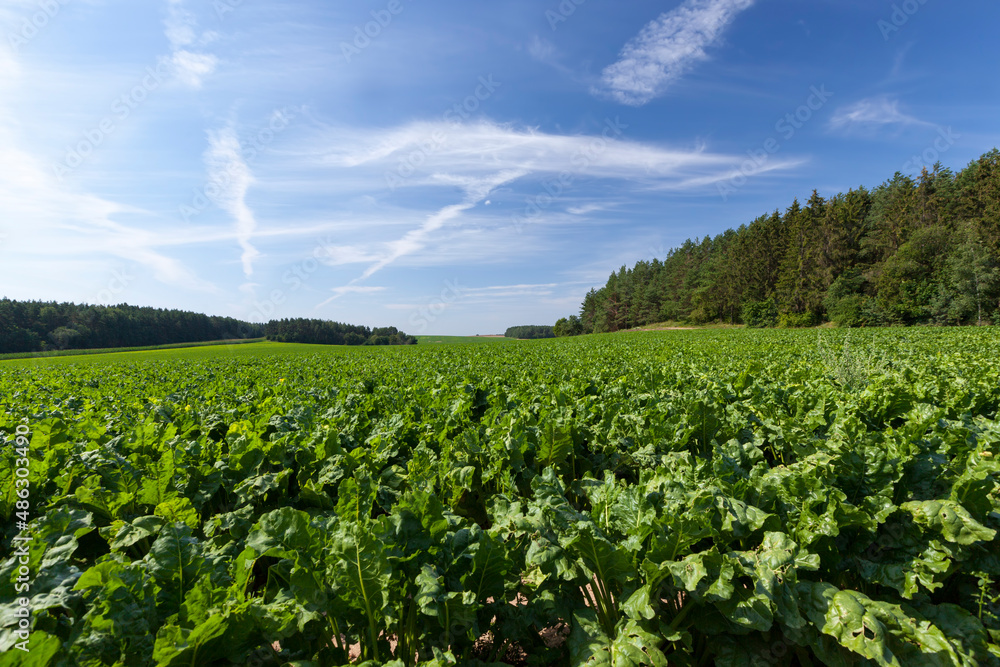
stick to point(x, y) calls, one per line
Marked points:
point(738, 498)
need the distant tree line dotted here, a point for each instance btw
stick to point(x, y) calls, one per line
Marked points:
point(911, 251)
point(322, 332)
point(568, 326)
point(530, 332)
point(33, 326)
point(37, 326)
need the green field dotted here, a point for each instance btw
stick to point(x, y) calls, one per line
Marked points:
point(186, 353)
point(206, 351)
point(456, 340)
point(101, 351)
point(715, 497)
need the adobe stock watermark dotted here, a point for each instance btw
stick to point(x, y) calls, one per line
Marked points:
point(20, 542)
point(786, 127)
point(555, 188)
point(34, 24)
point(121, 108)
point(116, 285)
point(427, 315)
point(659, 252)
point(372, 30)
point(460, 111)
point(945, 140)
point(901, 15)
point(562, 13)
point(223, 7)
point(295, 279)
point(208, 193)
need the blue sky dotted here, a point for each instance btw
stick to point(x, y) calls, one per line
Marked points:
point(447, 167)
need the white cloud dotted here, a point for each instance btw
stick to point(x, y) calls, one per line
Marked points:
point(59, 224)
point(476, 189)
point(541, 50)
point(667, 48)
point(56, 222)
point(190, 68)
point(545, 52)
point(497, 292)
point(484, 161)
point(448, 154)
point(229, 179)
point(180, 25)
point(584, 209)
point(873, 112)
point(357, 289)
point(339, 255)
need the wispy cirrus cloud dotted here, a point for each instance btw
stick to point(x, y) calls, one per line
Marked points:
point(541, 50)
point(189, 66)
point(480, 159)
point(667, 48)
point(584, 209)
point(357, 289)
point(481, 148)
point(477, 189)
point(873, 113)
point(67, 224)
point(61, 223)
point(228, 169)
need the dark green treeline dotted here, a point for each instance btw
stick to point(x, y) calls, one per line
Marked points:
point(911, 251)
point(37, 326)
point(323, 332)
point(33, 326)
point(530, 332)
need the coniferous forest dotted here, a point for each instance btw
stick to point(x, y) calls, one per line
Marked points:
point(911, 251)
point(33, 326)
point(37, 326)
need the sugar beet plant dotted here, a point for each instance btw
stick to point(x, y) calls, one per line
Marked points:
point(683, 499)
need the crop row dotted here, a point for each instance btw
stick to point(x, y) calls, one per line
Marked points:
point(729, 498)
